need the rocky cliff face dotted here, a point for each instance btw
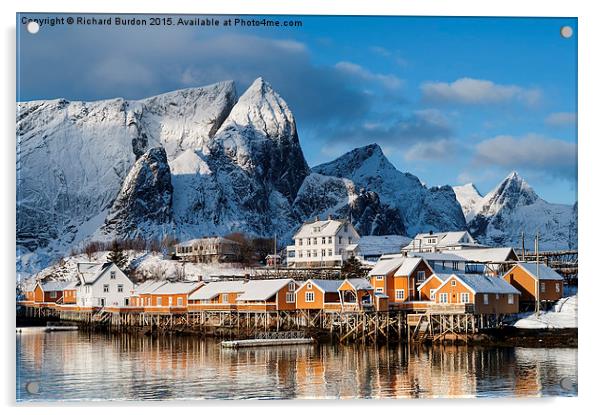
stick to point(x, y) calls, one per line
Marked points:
point(340, 198)
point(422, 209)
point(143, 207)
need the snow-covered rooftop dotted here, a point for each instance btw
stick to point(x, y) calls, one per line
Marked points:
point(486, 254)
point(380, 245)
point(213, 289)
point(181, 287)
point(261, 290)
point(437, 256)
point(545, 272)
point(360, 284)
point(55, 285)
point(328, 286)
point(387, 264)
point(211, 239)
point(148, 287)
point(486, 284)
point(326, 228)
point(407, 267)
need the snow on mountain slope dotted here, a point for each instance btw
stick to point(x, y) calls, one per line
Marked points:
point(421, 208)
point(469, 198)
point(512, 208)
point(327, 195)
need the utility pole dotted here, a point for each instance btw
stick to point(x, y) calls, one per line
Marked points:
point(275, 249)
point(537, 273)
point(523, 239)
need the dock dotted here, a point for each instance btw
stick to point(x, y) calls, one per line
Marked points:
point(235, 344)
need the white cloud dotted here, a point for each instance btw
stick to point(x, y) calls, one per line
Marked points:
point(477, 91)
point(561, 118)
point(387, 80)
point(530, 152)
point(434, 150)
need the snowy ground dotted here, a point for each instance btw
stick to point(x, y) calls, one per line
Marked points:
point(563, 315)
point(150, 265)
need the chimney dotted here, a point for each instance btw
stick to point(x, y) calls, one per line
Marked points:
point(431, 232)
point(317, 218)
point(329, 217)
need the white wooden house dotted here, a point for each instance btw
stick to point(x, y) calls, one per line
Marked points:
point(102, 285)
point(323, 243)
point(442, 241)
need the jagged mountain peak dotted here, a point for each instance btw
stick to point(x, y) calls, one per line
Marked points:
point(512, 191)
point(469, 198)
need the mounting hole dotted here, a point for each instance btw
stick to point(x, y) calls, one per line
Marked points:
point(566, 32)
point(33, 27)
point(32, 387)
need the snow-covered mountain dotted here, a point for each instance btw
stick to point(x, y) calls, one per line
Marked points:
point(422, 209)
point(512, 208)
point(469, 198)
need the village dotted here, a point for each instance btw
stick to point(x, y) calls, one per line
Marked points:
point(432, 288)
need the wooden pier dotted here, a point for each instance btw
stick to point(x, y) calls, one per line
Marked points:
point(344, 326)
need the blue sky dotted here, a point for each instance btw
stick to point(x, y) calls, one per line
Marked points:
point(451, 100)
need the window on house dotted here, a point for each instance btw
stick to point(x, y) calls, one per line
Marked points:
point(170, 301)
point(340, 239)
point(557, 287)
point(120, 288)
point(432, 294)
point(148, 301)
point(349, 240)
point(323, 240)
point(308, 241)
point(421, 276)
point(308, 254)
point(315, 253)
point(113, 275)
point(455, 265)
point(380, 278)
point(291, 254)
point(300, 254)
point(315, 241)
point(323, 252)
point(510, 298)
point(453, 283)
point(180, 301)
point(309, 286)
point(443, 298)
point(485, 299)
point(330, 252)
point(290, 297)
point(309, 297)
point(292, 286)
point(542, 287)
point(399, 294)
point(330, 239)
point(464, 298)
point(300, 242)
point(345, 228)
point(159, 301)
point(379, 289)
point(52, 294)
point(105, 288)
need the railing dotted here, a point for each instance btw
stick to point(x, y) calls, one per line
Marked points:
point(438, 308)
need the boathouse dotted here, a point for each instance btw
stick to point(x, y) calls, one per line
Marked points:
point(141, 293)
point(49, 292)
point(267, 295)
point(524, 277)
point(356, 293)
point(171, 295)
point(316, 294)
point(428, 288)
point(216, 296)
point(476, 294)
point(70, 293)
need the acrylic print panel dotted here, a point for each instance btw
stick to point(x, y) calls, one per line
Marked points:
point(237, 207)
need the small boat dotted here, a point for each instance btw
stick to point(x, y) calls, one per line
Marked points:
point(59, 327)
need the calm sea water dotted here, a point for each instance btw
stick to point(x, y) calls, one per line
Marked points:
point(91, 366)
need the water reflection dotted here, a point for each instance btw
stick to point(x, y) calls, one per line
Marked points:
point(76, 366)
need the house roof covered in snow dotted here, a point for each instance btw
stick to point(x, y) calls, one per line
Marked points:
point(545, 272)
point(438, 256)
point(210, 239)
point(443, 239)
point(359, 284)
point(484, 284)
point(90, 272)
point(325, 228)
point(327, 286)
point(148, 287)
point(387, 264)
point(72, 285)
point(380, 245)
point(262, 290)
point(180, 287)
point(55, 285)
point(408, 266)
point(487, 254)
point(213, 289)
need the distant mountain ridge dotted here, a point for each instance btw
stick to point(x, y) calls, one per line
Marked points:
point(195, 162)
point(512, 209)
